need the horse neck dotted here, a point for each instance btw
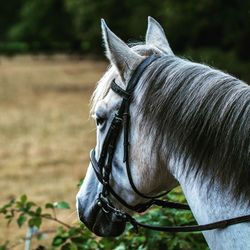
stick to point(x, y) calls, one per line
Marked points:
point(210, 204)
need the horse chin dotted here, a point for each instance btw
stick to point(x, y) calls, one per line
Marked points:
point(103, 224)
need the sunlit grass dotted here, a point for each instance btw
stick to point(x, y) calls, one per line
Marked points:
point(46, 132)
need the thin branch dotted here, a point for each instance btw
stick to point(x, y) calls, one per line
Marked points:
point(56, 220)
point(54, 212)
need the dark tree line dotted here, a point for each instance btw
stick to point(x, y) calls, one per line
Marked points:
point(75, 24)
point(203, 29)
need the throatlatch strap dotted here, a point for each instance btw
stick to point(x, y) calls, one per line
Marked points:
point(140, 207)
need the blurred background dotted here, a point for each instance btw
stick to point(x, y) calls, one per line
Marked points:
point(216, 31)
point(51, 56)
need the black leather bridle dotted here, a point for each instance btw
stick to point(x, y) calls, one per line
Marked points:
point(103, 168)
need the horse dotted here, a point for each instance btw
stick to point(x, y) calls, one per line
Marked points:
point(184, 123)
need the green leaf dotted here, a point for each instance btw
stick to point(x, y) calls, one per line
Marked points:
point(78, 240)
point(23, 198)
point(31, 213)
point(41, 247)
point(30, 204)
point(38, 211)
point(3, 247)
point(61, 205)
point(35, 221)
point(9, 216)
point(41, 236)
point(49, 205)
point(74, 231)
point(58, 240)
point(69, 246)
point(21, 220)
point(3, 209)
point(121, 247)
point(80, 183)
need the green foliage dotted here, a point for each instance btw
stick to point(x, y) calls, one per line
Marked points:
point(217, 27)
point(60, 205)
point(9, 12)
point(226, 61)
point(121, 15)
point(77, 237)
point(43, 24)
point(4, 246)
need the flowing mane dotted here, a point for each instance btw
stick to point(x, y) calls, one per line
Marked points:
point(202, 115)
point(166, 122)
point(198, 113)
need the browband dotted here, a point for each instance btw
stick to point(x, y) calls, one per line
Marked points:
point(119, 91)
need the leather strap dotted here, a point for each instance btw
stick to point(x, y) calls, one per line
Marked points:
point(195, 228)
point(139, 207)
point(120, 91)
point(122, 216)
point(103, 168)
point(125, 103)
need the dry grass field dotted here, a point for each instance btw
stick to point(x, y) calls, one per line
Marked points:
point(45, 129)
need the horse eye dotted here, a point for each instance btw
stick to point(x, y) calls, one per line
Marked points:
point(100, 121)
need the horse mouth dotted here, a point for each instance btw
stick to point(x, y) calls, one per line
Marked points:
point(100, 223)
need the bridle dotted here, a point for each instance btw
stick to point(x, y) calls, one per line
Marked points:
point(103, 168)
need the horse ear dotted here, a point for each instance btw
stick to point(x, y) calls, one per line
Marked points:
point(156, 37)
point(119, 53)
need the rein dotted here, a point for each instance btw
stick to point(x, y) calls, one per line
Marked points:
point(103, 168)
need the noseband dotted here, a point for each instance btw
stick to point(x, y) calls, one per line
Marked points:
point(103, 167)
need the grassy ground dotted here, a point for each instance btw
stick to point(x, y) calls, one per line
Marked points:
point(45, 130)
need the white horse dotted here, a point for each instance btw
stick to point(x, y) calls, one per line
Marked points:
point(190, 126)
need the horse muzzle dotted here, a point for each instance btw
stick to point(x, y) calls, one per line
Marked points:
point(100, 222)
